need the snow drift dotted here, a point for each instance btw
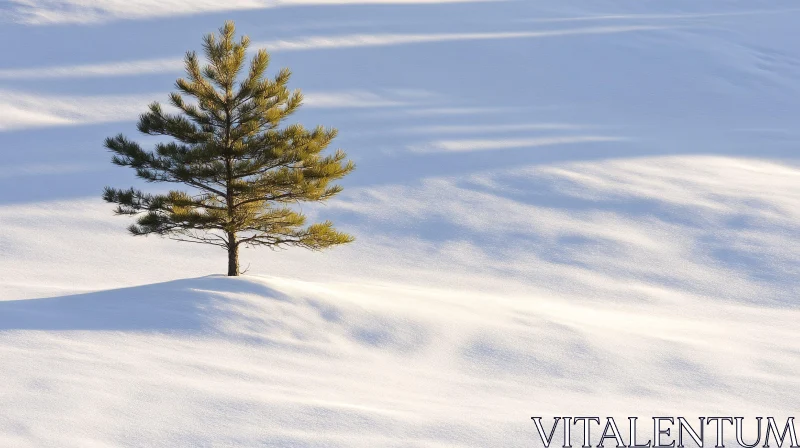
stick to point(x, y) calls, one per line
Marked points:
point(219, 361)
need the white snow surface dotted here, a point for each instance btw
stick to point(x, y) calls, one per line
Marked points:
point(562, 208)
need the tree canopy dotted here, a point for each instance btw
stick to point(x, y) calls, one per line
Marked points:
point(225, 144)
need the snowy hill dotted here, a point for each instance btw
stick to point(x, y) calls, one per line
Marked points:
point(561, 208)
point(216, 361)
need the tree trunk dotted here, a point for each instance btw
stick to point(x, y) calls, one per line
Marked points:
point(233, 255)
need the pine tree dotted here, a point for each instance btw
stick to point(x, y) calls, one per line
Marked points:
point(226, 146)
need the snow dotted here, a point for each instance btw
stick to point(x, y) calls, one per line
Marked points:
point(277, 362)
point(562, 208)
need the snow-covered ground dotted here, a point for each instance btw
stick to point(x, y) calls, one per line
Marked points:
point(562, 208)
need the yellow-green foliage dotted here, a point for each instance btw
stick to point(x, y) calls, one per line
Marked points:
point(243, 170)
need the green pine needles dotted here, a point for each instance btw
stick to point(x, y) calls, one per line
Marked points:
point(242, 169)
